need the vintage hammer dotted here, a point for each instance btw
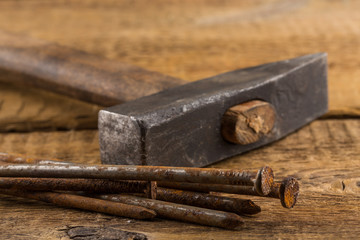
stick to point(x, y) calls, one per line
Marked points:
point(193, 124)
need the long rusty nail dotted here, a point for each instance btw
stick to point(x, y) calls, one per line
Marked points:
point(182, 212)
point(86, 203)
point(203, 200)
point(264, 177)
point(262, 180)
point(265, 180)
point(74, 184)
point(287, 190)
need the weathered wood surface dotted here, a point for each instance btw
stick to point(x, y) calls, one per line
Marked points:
point(323, 155)
point(191, 40)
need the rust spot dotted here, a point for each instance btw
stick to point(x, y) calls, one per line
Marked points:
point(289, 191)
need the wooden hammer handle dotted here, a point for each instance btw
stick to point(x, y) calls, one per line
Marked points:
point(75, 73)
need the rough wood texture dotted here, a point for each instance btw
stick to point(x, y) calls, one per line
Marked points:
point(323, 155)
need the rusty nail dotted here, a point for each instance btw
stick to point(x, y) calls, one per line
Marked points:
point(287, 190)
point(263, 186)
point(86, 203)
point(203, 200)
point(150, 188)
point(262, 179)
point(182, 212)
point(74, 184)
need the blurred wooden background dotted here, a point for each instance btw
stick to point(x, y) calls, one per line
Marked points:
point(194, 40)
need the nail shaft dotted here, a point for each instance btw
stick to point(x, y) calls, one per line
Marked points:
point(182, 212)
point(74, 184)
point(206, 188)
point(261, 180)
point(262, 188)
point(86, 203)
point(203, 200)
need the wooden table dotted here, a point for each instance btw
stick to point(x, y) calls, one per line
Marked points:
point(193, 40)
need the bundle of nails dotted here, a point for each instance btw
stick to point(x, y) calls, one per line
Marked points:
point(144, 192)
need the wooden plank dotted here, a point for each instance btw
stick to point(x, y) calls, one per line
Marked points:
point(196, 40)
point(323, 155)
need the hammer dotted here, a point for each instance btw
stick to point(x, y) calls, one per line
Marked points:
point(165, 121)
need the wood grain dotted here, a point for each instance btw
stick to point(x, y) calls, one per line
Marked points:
point(324, 156)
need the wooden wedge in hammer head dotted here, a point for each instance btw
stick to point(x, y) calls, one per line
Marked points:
point(202, 122)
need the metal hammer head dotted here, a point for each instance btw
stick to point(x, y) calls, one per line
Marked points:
point(182, 126)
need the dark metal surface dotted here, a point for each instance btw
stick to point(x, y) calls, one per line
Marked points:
point(86, 203)
point(203, 200)
point(181, 126)
point(182, 212)
point(148, 173)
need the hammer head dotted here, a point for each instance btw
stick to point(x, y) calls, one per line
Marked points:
point(182, 126)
